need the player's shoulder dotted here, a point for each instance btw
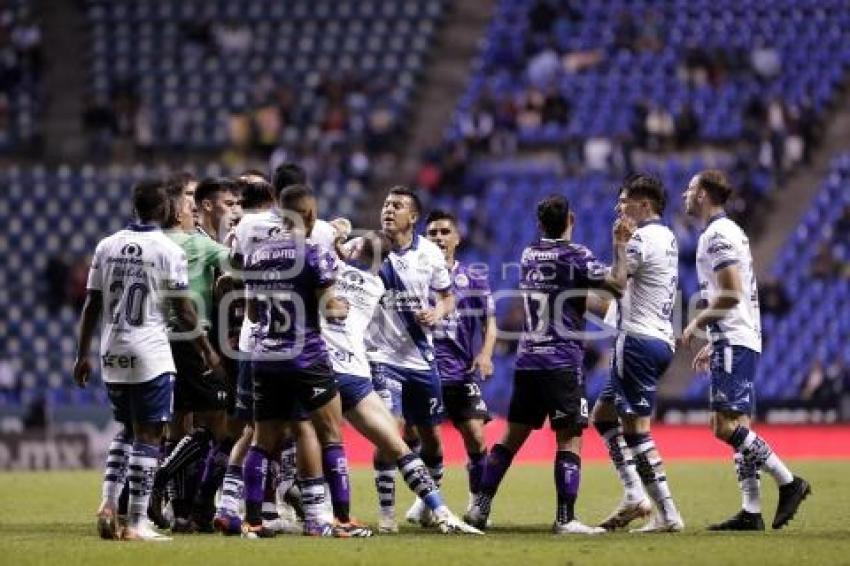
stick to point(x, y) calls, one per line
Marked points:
point(656, 233)
point(429, 248)
point(167, 245)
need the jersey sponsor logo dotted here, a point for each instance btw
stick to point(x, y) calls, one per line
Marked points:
point(121, 361)
point(132, 249)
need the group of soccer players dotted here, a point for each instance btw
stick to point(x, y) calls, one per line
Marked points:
point(238, 330)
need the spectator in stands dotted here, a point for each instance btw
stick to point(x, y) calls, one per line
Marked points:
point(56, 275)
point(652, 33)
point(556, 108)
point(530, 110)
point(660, 128)
point(824, 264)
point(773, 298)
point(542, 16)
point(78, 274)
point(100, 126)
point(626, 31)
point(687, 126)
point(477, 127)
point(543, 68)
point(765, 60)
point(824, 385)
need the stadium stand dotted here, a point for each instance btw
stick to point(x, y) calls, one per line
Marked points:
point(216, 74)
point(555, 72)
point(20, 73)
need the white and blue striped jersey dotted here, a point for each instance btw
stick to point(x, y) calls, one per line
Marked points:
point(346, 339)
point(652, 262)
point(135, 269)
point(410, 276)
point(721, 244)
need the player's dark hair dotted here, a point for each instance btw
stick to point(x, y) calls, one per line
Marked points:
point(290, 195)
point(255, 192)
point(553, 213)
point(641, 185)
point(715, 183)
point(150, 201)
point(286, 175)
point(208, 188)
point(376, 246)
point(407, 191)
point(175, 184)
point(440, 214)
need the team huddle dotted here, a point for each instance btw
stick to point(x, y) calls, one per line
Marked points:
point(239, 330)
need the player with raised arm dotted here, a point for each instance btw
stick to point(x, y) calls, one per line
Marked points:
point(463, 344)
point(360, 286)
point(135, 273)
point(400, 340)
point(645, 272)
point(731, 317)
point(557, 275)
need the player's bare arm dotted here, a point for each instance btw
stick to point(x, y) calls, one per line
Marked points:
point(484, 360)
point(445, 305)
point(729, 282)
point(88, 322)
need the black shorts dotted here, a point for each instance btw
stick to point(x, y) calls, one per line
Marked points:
point(462, 402)
point(282, 392)
point(555, 393)
point(231, 378)
point(196, 387)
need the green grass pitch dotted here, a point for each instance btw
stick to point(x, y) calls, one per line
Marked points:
point(47, 518)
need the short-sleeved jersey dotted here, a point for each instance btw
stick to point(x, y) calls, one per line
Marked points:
point(652, 261)
point(135, 269)
point(459, 336)
point(556, 275)
point(721, 244)
point(257, 227)
point(204, 255)
point(345, 339)
point(409, 275)
point(288, 272)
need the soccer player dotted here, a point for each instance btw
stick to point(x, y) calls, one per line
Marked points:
point(290, 280)
point(219, 209)
point(135, 272)
point(645, 271)
point(556, 276)
point(200, 394)
point(360, 286)
point(463, 345)
point(729, 292)
point(401, 341)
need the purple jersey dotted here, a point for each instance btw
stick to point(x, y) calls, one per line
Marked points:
point(459, 337)
point(556, 275)
point(286, 273)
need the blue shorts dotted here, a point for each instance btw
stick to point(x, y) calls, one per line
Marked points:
point(414, 395)
point(148, 402)
point(636, 366)
point(352, 389)
point(244, 406)
point(732, 371)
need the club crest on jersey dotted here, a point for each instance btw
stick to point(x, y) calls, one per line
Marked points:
point(132, 249)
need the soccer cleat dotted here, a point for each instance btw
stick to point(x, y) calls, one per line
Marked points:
point(420, 514)
point(227, 523)
point(659, 524)
point(319, 529)
point(107, 524)
point(575, 527)
point(155, 509)
point(448, 523)
point(386, 522)
point(479, 512)
point(790, 497)
point(144, 532)
point(625, 513)
point(256, 531)
point(742, 521)
point(282, 526)
point(351, 529)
